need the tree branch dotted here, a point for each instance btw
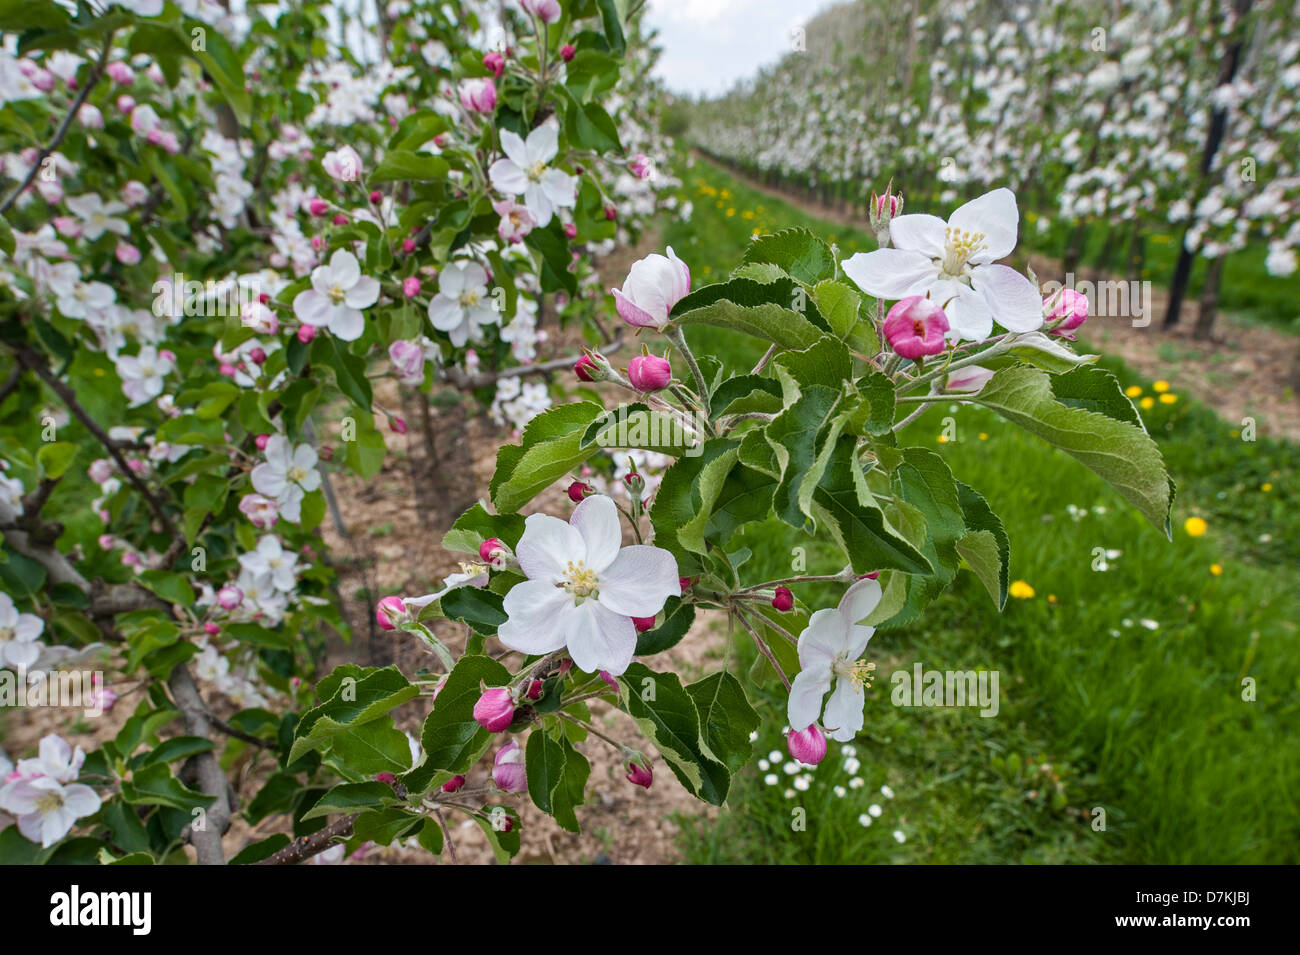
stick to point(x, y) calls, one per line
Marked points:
point(212, 781)
point(316, 843)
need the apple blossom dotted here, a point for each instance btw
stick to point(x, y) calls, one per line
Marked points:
point(1068, 311)
point(583, 589)
point(286, 475)
point(338, 294)
point(508, 769)
point(462, 303)
point(46, 809)
point(829, 651)
point(953, 263)
point(98, 217)
point(548, 11)
point(516, 220)
point(495, 709)
point(142, 374)
point(525, 171)
point(342, 164)
point(271, 559)
point(19, 635)
point(478, 95)
point(494, 62)
point(652, 287)
point(391, 612)
point(808, 746)
point(408, 359)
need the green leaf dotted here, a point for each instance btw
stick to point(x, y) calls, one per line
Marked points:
point(985, 546)
point(726, 718)
point(156, 786)
point(766, 311)
point(746, 393)
point(365, 453)
point(376, 746)
point(801, 253)
point(386, 825)
point(480, 610)
point(551, 446)
point(178, 747)
point(667, 714)
point(353, 697)
point(1120, 452)
point(55, 458)
point(678, 617)
point(257, 851)
point(874, 414)
point(1048, 353)
point(452, 739)
point(802, 437)
point(557, 777)
point(612, 24)
point(637, 425)
point(400, 165)
point(19, 15)
point(839, 305)
point(173, 588)
point(353, 797)
point(477, 525)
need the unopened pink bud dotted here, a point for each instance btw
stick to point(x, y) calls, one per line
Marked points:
point(411, 286)
point(495, 709)
point(508, 769)
point(105, 541)
point(916, 327)
point(807, 746)
point(376, 197)
point(783, 600)
point(262, 440)
point(495, 62)
point(127, 254)
point(570, 230)
point(398, 424)
point(649, 373)
point(578, 490)
point(257, 356)
point(534, 690)
point(125, 103)
point(120, 73)
point(391, 612)
point(451, 785)
point(492, 550)
point(643, 624)
point(211, 629)
point(318, 207)
point(639, 773)
point(408, 246)
point(306, 333)
point(567, 52)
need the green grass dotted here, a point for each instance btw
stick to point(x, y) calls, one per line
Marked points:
point(1127, 682)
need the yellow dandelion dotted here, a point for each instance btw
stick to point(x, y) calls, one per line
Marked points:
point(1216, 570)
point(1147, 403)
point(731, 212)
point(1020, 590)
point(1266, 487)
point(1133, 391)
point(983, 436)
point(1160, 386)
point(943, 439)
point(1051, 598)
point(1195, 526)
point(1168, 399)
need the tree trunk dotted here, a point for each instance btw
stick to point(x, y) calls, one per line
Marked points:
point(1209, 300)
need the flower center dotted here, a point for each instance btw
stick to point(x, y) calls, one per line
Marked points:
point(959, 246)
point(297, 474)
point(6, 634)
point(918, 328)
point(470, 298)
point(535, 171)
point(48, 802)
point(857, 672)
point(579, 580)
point(337, 294)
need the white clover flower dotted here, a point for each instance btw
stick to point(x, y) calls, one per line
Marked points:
point(874, 810)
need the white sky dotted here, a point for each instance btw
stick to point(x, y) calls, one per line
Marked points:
point(709, 44)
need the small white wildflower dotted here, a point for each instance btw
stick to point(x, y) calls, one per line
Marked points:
point(856, 782)
point(899, 837)
point(802, 784)
point(841, 791)
point(764, 765)
point(886, 792)
point(771, 779)
point(851, 766)
point(875, 810)
point(864, 820)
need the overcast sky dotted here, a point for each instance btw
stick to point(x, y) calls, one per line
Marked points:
point(709, 44)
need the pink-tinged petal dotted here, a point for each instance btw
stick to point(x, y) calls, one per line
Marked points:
point(806, 692)
point(995, 215)
point(32, 826)
point(548, 544)
point(345, 268)
point(844, 716)
point(600, 639)
point(634, 314)
point(508, 177)
point(513, 145)
point(312, 307)
point(19, 797)
point(80, 800)
point(683, 289)
point(538, 615)
point(969, 318)
point(971, 378)
point(596, 519)
point(859, 600)
point(639, 581)
point(891, 273)
point(919, 233)
point(346, 324)
point(1011, 298)
point(364, 294)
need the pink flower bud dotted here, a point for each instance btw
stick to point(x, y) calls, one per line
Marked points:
point(389, 778)
point(783, 600)
point(100, 470)
point(639, 772)
point(495, 709)
point(653, 286)
point(120, 73)
point(640, 166)
point(130, 559)
point(318, 207)
point(807, 746)
point(317, 242)
point(376, 197)
point(611, 213)
point(408, 246)
point(411, 286)
point(257, 356)
point(643, 624)
point(211, 629)
point(306, 333)
point(125, 103)
point(578, 490)
point(916, 326)
point(587, 370)
point(228, 369)
point(570, 230)
point(635, 484)
point(534, 690)
point(548, 11)
point(508, 769)
point(229, 597)
point(391, 612)
point(340, 219)
point(649, 373)
point(168, 354)
point(127, 254)
point(451, 785)
point(568, 52)
point(495, 62)
point(105, 541)
point(685, 583)
point(478, 95)
point(262, 440)
point(1071, 310)
point(493, 550)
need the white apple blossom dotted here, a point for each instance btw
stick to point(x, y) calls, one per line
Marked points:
point(286, 475)
point(584, 588)
point(952, 263)
point(98, 217)
point(338, 294)
point(829, 651)
point(462, 302)
point(270, 558)
point(525, 171)
point(56, 758)
point(46, 809)
point(19, 635)
point(142, 374)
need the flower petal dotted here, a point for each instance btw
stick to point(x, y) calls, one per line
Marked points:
point(639, 581)
point(844, 716)
point(822, 640)
point(596, 519)
point(512, 144)
point(919, 233)
point(364, 294)
point(507, 176)
point(346, 324)
point(995, 215)
point(859, 600)
point(969, 318)
point(600, 639)
point(538, 617)
point(891, 273)
point(345, 268)
point(1011, 298)
point(806, 692)
point(543, 143)
point(547, 545)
